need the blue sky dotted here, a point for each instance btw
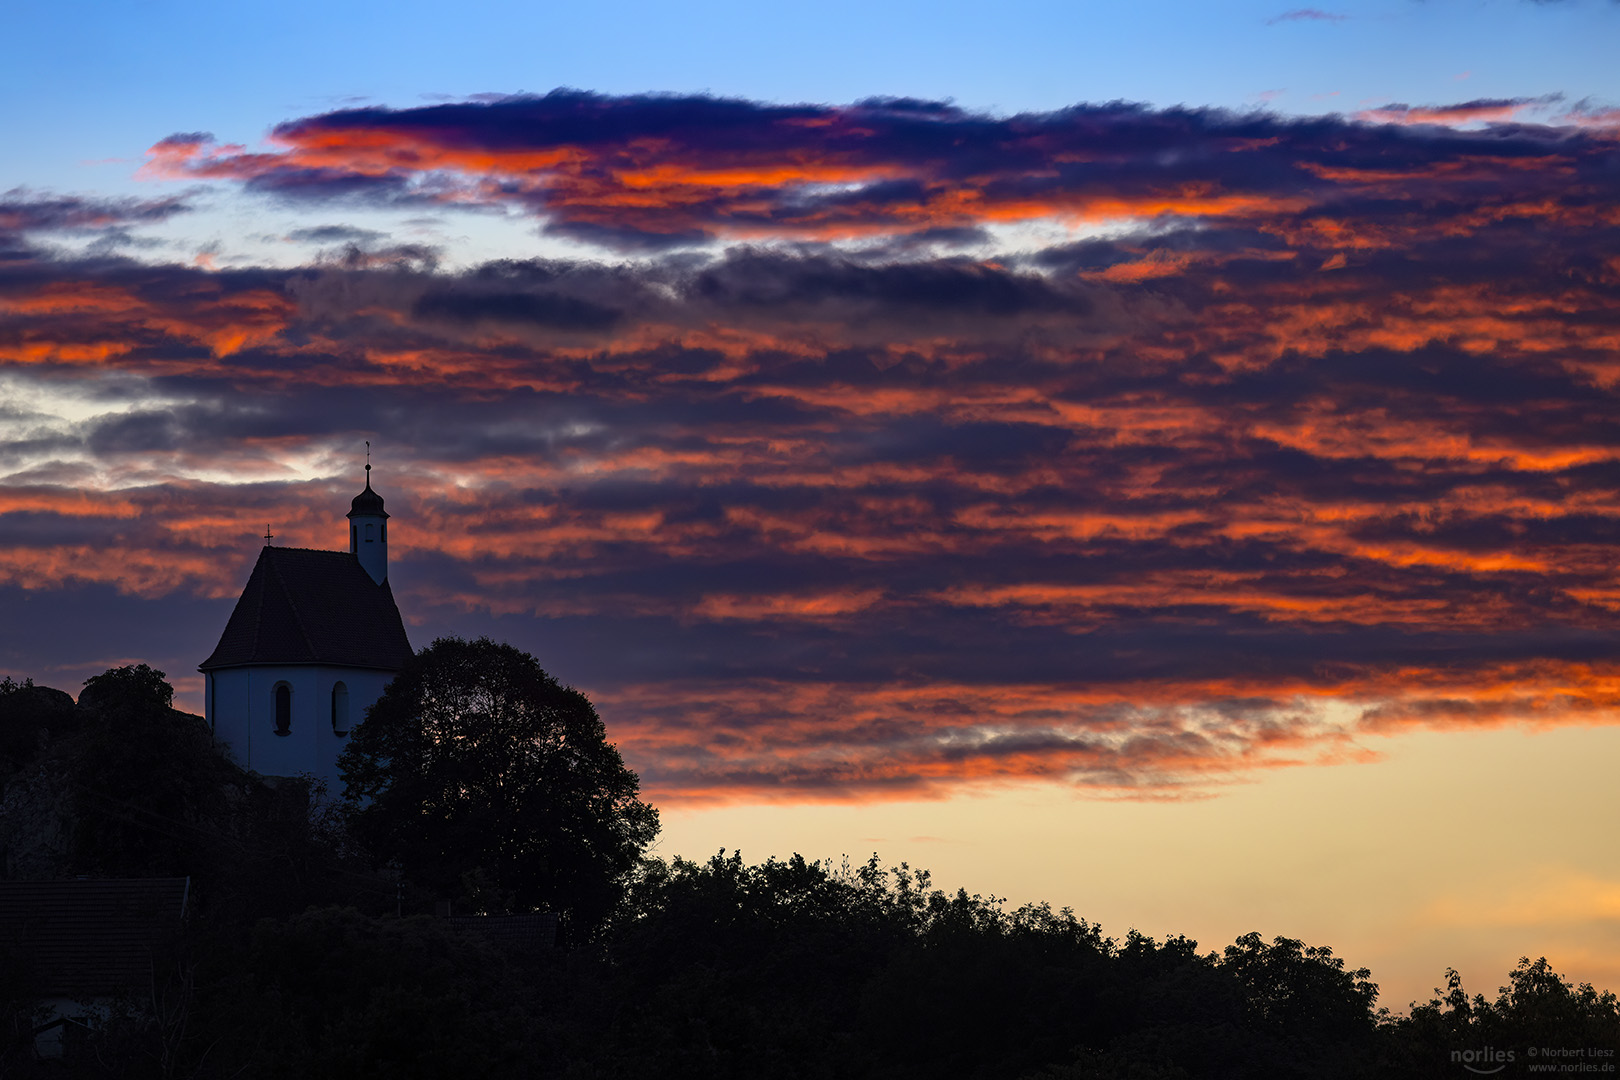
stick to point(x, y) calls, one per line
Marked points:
point(87, 82)
point(93, 85)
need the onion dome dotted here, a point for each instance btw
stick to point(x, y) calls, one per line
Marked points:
point(368, 503)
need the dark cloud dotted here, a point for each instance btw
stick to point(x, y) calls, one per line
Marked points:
point(1326, 415)
point(540, 309)
point(22, 210)
point(392, 256)
point(965, 288)
point(293, 184)
point(650, 173)
point(335, 234)
point(628, 238)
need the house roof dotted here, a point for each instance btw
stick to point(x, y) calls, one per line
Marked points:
point(512, 933)
point(92, 937)
point(312, 607)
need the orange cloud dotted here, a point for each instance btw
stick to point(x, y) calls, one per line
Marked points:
point(673, 171)
point(1145, 511)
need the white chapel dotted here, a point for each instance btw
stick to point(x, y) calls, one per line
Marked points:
point(313, 641)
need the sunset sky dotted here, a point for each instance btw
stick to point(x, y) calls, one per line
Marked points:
point(1159, 458)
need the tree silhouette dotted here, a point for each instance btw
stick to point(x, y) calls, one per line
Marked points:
point(30, 716)
point(149, 788)
point(477, 766)
point(133, 689)
point(1538, 1008)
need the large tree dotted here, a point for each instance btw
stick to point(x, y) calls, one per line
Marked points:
point(477, 766)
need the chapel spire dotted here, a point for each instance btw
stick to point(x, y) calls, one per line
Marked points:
point(368, 528)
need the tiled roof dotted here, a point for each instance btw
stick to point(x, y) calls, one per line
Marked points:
point(312, 607)
point(90, 937)
point(512, 933)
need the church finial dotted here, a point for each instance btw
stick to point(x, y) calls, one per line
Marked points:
point(368, 463)
point(268, 536)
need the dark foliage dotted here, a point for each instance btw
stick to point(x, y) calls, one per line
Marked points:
point(338, 994)
point(793, 969)
point(131, 690)
point(30, 717)
point(123, 785)
point(478, 766)
point(1536, 1009)
point(19, 1005)
point(149, 788)
point(299, 962)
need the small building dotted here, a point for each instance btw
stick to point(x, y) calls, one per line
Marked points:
point(313, 641)
point(88, 946)
point(511, 934)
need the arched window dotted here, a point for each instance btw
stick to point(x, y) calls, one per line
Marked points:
point(370, 531)
point(283, 709)
point(385, 532)
point(354, 537)
point(340, 710)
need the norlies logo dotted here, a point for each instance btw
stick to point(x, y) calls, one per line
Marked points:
point(1476, 1061)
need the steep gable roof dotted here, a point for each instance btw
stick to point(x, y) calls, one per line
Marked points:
point(92, 936)
point(312, 607)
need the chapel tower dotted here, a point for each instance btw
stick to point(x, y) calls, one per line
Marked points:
point(313, 641)
point(368, 531)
